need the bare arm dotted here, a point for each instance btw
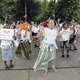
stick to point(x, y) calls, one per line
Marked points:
point(60, 28)
point(59, 35)
point(31, 28)
point(59, 22)
point(18, 35)
point(72, 28)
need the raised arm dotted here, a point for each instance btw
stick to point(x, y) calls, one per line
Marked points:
point(74, 24)
point(72, 28)
point(18, 35)
point(59, 28)
point(58, 22)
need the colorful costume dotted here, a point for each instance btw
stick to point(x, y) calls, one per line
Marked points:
point(24, 49)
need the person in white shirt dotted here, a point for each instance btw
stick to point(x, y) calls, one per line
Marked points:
point(65, 32)
point(72, 36)
point(47, 52)
point(35, 31)
point(7, 51)
point(17, 38)
point(77, 27)
point(23, 51)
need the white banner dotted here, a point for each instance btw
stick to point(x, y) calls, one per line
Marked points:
point(6, 34)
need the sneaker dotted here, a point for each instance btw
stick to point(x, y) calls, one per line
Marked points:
point(75, 48)
point(67, 55)
point(63, 56)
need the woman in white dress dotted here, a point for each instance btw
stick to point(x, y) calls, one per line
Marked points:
point(47, 52)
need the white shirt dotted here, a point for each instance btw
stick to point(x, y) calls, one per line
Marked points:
point(60, 25)
point(65, 34)
point(35, 29)
point(23, 34)
point(50, 36)
point(29, 26)
point(27, 37)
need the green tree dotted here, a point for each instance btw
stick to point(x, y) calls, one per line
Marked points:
point(68, 9)
point(7, 7)
point(33, 9)
point(39, 10)
point(44, 10)
point(15, 9)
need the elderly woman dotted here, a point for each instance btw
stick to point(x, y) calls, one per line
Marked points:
point(47, 53)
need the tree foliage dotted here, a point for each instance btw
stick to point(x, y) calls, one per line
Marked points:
point(68, 9)
point(39, 10)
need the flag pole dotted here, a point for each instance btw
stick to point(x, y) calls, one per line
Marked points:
point(25, 11)
point(54, 10)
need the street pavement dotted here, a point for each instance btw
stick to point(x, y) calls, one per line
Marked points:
point(68, 68)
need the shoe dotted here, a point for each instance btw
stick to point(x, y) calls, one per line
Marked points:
point(11, 66)
point(7, 68)
point(70, 49)
point(67, 55)
point(75, 48)
point(63, 56)
point(36, 46)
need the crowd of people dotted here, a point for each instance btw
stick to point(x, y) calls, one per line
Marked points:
point(49, 32)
